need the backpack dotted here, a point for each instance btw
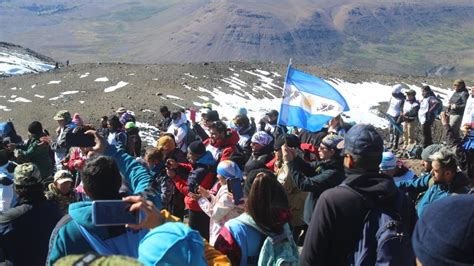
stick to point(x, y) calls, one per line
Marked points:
point(438, 109)
point(276, 249)
point(385, 238)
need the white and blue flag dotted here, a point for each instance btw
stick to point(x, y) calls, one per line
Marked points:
point(309, 102)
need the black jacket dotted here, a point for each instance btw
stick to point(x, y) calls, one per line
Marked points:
point(338, 218)
point(25, 231)
point(315, 180)
point(459, 98)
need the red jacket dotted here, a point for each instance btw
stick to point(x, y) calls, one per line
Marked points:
point(224, 148)
point(203, 174)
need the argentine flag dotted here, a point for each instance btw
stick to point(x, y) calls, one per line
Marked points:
point(309, 102)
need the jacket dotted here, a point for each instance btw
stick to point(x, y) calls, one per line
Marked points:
point(25, 231)
point(220, 208)
point(325, 175)
point(202, 173)
point(38, 154)
point(296, 197)
point(223, 149)
point(428, 106)
point(459, 98)
point(68, 239)
point(60, 147)
point(434, 192)
point(339, 217)
point(63, 201)
point(395, 105)
point(410, 110)
point(264, 155)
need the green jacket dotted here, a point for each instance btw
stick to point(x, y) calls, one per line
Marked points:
point(38, 154)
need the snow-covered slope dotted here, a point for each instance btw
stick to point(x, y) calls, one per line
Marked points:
point(15, 60)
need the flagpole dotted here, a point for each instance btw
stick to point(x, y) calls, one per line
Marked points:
point(283, 92)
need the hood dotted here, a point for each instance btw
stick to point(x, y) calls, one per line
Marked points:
point(247, 131)
point(132, 131)
point(231, 138)
point(181, 121)
point(380, 188)
point(399, 96)
point(207, 159)
point(81, 212)
point(459, 183)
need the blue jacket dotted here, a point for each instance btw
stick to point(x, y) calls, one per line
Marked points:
point(67, 238)
point(434, 191)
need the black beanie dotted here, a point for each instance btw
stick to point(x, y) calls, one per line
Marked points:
point(197, 147)
point(35, 128)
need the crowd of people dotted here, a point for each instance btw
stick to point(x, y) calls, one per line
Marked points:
point(240, 192)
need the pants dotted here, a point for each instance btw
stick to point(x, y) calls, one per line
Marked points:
point(394, 138)
point(426, 129)
point(455, 123)
point(409, 133)
point(198, 220)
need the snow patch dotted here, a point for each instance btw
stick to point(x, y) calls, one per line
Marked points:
point(4, 108)
point(84, 75)
point(33, 86)
point(266, 73)
point(39, 96)
point(13, 63)
point(69, 92)
point(119, 85)
point(56, 98)
point(81, 102)
point(13, 89)
point(189, 75)
point(174, 97)
point(54, 82)
point(102, 79)
point(205, 98)
point(148, 133)
point(20, 100)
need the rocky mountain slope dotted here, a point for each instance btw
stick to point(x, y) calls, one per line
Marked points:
point(402, 37)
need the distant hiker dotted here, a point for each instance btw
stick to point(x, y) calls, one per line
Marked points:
point(456, 106)
point(166, 122)
point(67, 63)
point(429, 106)
point(409, 115)
point(56, 66)
point(395, 106)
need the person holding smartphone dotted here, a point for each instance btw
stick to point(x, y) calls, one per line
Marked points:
point(221, 207)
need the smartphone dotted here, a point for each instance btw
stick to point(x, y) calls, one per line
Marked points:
point(234, 185)
point(79, 139)
point(113, 212)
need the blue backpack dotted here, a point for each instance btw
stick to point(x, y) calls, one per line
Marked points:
point(385, 238)
point(278, 249)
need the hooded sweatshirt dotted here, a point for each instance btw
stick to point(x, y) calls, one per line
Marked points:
point(339, 216)
point(67, 238)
